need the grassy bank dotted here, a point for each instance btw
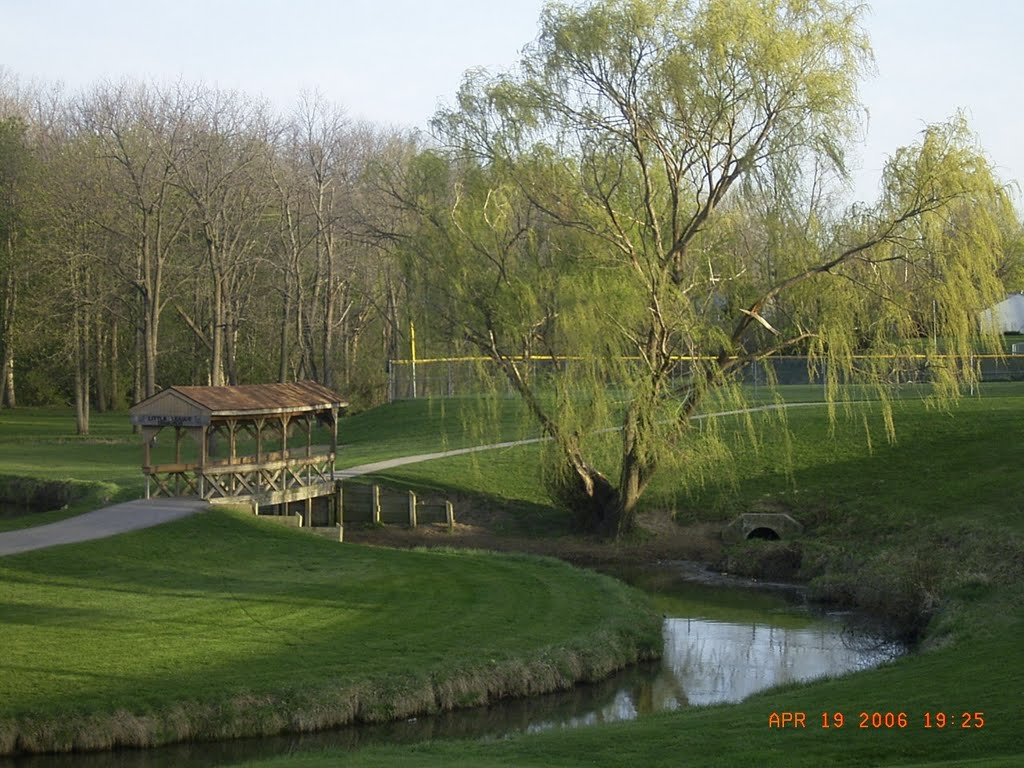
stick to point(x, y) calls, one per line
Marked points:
point(931, 526)
point(224, 625)
point(45, 501)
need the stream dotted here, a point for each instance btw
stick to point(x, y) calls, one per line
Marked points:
point(725, 639)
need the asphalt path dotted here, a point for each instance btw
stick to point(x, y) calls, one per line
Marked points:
point(146, 513)
point(101, 523)
point(380, 466)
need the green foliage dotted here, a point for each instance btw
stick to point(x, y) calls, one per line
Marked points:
point(646, 193)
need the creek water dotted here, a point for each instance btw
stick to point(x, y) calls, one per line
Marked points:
point(724, 640)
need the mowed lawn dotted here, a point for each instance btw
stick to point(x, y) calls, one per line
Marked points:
point(224, 623)
point(943, 505)
point(941, 508)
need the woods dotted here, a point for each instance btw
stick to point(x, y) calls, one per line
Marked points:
point(159, 235)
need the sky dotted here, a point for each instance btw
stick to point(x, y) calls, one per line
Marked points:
point(394, 61)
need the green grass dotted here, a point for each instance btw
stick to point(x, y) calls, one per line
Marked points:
point(938, 513)
point(223, 625)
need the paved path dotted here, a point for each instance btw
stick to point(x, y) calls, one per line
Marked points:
point(145, 513)
point(380, 466)
point(109, 521)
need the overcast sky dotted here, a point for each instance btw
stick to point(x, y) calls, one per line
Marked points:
point(393, 61)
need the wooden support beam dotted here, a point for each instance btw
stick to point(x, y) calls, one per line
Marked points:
point(334, 435)
point(412, 509)
point(232, 446)
point(285, 418)
point(449, 512)
point(376, 505)
point(339, 504)
point(203, 457)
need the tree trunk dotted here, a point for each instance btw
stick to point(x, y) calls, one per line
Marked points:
point(217, 334)
point(150, 334)
point(138, 393)
point(588, 496)
point(115, 379)
point(286, 320)
point(7, 381)
point(7, 396)
point(80, 319)
point(101, 373)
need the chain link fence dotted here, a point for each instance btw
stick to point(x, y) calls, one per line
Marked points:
point(467, 377)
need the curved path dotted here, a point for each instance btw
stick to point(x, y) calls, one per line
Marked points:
point(146, 513)
point(109, 521)
point(380, 466)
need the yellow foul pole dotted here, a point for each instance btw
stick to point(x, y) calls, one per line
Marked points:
point(412, 350)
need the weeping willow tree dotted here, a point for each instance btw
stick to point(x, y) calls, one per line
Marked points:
point(644, 195)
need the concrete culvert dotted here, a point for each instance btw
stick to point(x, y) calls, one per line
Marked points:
point(770, 526)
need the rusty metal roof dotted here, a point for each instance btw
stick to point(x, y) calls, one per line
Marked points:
point(251, 399)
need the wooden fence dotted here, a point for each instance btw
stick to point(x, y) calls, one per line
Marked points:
point(361, 504)
point(374, 505)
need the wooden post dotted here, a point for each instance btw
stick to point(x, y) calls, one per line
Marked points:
point(412, 509)
point(148, 435)
point(339, 504)
point(449, 512)
point(259, 423)
point(309, 511)
point(334, 437)
point(203, 454)
point(341, 532)
point(376, 505)
point(255, 507)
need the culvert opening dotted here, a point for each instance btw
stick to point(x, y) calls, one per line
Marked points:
point(764, 533)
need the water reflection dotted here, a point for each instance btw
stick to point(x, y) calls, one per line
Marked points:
point(706, 661)
point(715, 661)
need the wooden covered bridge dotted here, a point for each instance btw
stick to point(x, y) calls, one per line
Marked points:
point(274, 423)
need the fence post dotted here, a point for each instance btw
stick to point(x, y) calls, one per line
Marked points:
point(449, 513)
point(376, 504)
point(412, 509)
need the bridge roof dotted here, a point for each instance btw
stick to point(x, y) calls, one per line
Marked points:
point(195, 406)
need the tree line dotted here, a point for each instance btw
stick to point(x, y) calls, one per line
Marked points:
point(185, 235)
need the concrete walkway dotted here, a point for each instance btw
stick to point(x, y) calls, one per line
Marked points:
point(109, 521)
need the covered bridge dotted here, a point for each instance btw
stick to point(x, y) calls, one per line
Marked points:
point(274, 423)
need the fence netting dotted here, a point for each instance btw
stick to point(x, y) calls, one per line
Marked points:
point(467, 377)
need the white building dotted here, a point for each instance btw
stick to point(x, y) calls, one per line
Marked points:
point(1006, 316)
